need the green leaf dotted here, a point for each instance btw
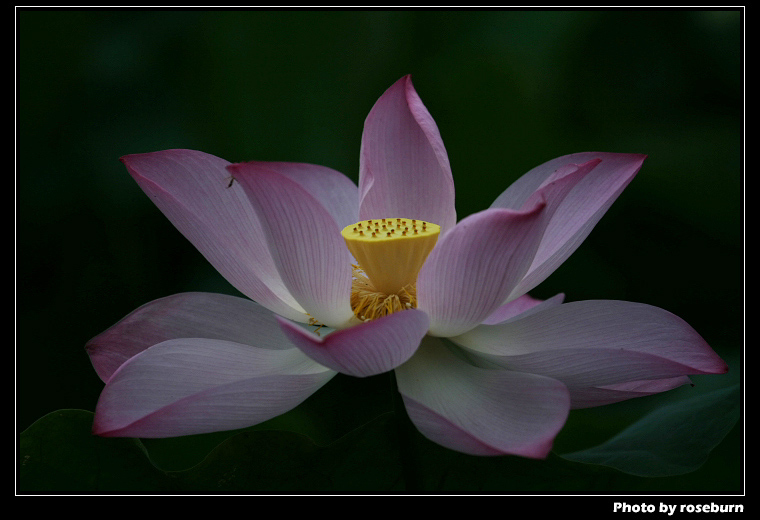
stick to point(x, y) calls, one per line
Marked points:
point(672, 440)
point(275, 461)
point(59, 454)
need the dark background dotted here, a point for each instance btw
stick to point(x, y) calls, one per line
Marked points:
point(509, 90)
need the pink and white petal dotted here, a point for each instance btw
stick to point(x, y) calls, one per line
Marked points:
point(592, 367)
point(520, 307)
point(404, 169)
point(367, 349)
point(474, 266)
point(596, 343)
point(308, 249)
point(598, 396)
point(481, 411)
point(336, 192)
point(184, 315)
point(578, 210)
point(519, 191)
point(193, 191)
point(192, 385)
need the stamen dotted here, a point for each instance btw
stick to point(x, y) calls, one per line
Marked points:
point(369, 304)
point(314, 323)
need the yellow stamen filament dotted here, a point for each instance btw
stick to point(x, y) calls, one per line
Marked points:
point(369, 304)
point(385, 279)
point(314, 323)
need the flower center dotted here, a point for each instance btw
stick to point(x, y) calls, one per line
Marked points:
point(390, 253)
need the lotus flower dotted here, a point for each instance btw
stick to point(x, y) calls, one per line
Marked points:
point(380, 277)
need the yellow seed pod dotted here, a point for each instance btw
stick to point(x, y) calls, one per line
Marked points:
point(391, 251)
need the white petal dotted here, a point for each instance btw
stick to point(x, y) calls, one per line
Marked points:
point(308, 250)
point(193, 385)
point(480, 411)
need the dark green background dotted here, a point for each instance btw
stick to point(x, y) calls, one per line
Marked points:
point(509, 90)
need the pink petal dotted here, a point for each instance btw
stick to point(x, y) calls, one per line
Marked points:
point(404, 169)
point(364, 350)
point(578, 210)
point(481, 411)
point(519, 308)
point(596, 343)
point(185, 315)
point(475, 266)
point(335, 192)
point(601, 395)
point(193, 385)
point(193, 190)
point(305, 241)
